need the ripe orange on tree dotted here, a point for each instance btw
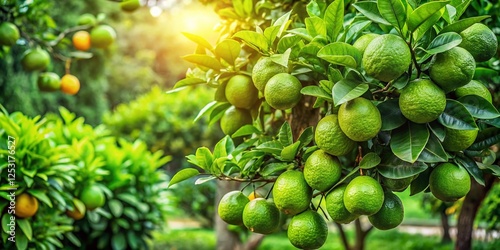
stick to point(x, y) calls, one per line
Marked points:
point(26, 205)
point(70, 84)
point(81, 40)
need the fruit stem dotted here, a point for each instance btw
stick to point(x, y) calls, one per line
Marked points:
point(67, 65)
point(413, 57)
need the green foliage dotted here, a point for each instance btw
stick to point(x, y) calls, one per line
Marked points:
point(488, 212)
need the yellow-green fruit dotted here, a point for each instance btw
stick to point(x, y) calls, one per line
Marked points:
point(387, 57)
point(390, 215)
point(26, 205)
point(422, 101)
point(241, 92)
point(49, 81)
point(87, 19)
point(458, 140)
point(291, 193)
point(480, 41)
point(307, 230)
point(359, 119)
point(233, 119)
point(452, 69)
point(474, 88)
point(130, 5)
point(449, 182)
point(363, 196)
point(35, 59)
point(322, 171)
point(330, 138)
point(335, 206)
point(231, 207)
point(397, 185)
point(9, 34)
point(93, 197)
point(261, 216)
point(362, 42)
point(282, 91)
point(102, 36)
point(263, 70)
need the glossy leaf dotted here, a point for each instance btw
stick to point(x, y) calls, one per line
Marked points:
point(289, 152)
point(183, 175)
point(485, 139)
point(393, 11)
point(189, 82)
point(479, 107)
point(463, 24)
point(229, 50)
point(471, 166)
point(426, 26)
point(202, 180)
point(423, 14)
point(306, 136)
point(273, 147)
point(408, 141)
point(315, 26)
point(334, 19)
point(443, 42)
point(340, 53)
point(316, 91)
point(204, 61)
point(285, 135)
point(369, 160)
point(369, 9)
point(41, 196)
point(273, 168)
point(438, 130)
point(246, 130)
point(460, 6)
point(199, 40)
point(253, 39)
point(25, 226)
point(205, 110)
point(346, 90)
point(395, 168)
point(420, 183)
point(204, 158)
point(390, 112)
point(456, 116)
point(433, 151)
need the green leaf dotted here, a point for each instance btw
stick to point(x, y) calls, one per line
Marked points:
point(183, 175)
point(408, 141)
point(41, 196)
point(306, 136)
point(421, 31)
point(485, 139)
point(395, 168)
point(283, 22)
point(199, 40)
point(224, 147)
point(288, 41)
point(479, 107)
point(315, 26)
point(22, 242)
point(118, 242)
point(248, 7)
point(460, 6)
point(370, 10)
point(273, 168)
point(285, 135)
point(393, 11)
point(423, 14)
point(281, 59)
point(334, 19)
point(229, 50)
point(346, 90)
point(205, 110)
point(471, 166)
point(392, 117)
point(271, 33)
point(463, 24)
point(25, 226)
point(493, 122)
point(202, 180)
point(289, 152)
point(204, 158)
point(456, 116)
point(369, 160)
point(204, 60)
point(443, 42)
point(438, 130)
point(433, 151)
point(80, 55)
point(340, 53)
point(5, 221)
point(246, 130)
point(316, 91)
point(255, 40)
point(115, 207)
point(273, 147)
point(420, 183)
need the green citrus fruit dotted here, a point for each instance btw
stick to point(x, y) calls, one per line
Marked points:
point(458, 140)
point(330, 138)
point(390, 215)
point(397, 185)
point(362, 42)
point(102, 36)
point(480, 41)
point(9, 34)
point(263, 70)
point(452, 69)
point(26, 205)
point(283, 91)
point(241, 92)
point(291, 193)
point(474, 88)
point(87, 19)
point(359, 119)
point(322, 171)
point(93, 197)
point(35, 59)
point(386, 57)
point(233, 119)
point(261, 216)
point(49, 81)
point(335, 206)
point(307, 230)
point(231, 207)
point(363, 196)
point(449, 182)
point(130, 5)
point(422, 101)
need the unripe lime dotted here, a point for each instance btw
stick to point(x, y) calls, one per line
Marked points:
point(35, 59)
point(9, 34)
point(102, 36)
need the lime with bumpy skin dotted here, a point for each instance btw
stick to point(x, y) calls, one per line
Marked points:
point(362, 42)
point(397, 185)
point(480, 41)
point(282, 91)
point(474, 87)
point(390, 215)
point(386, 57)
point(261, 216)
point(422, 101)
point(363, 196)
point(231, 207)
point(452, 69)
point(241, 92)
point(458, 140)
point(449, 182)
point(335, 206)
point(233, 119)
point(307, 230)
point(330, 138)
point(359, 119)
point(291, 192)
point(263, 70)
point(322, 171)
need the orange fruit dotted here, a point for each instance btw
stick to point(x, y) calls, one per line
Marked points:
point(70, 84)
point(26, 205)
point(81, 40)
point(78, 211)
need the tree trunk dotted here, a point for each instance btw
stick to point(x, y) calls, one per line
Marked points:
point(361, 235)
point(445, 225)
point(226, 240)
point(468, 212)
point(304, 115)
point(343, 236)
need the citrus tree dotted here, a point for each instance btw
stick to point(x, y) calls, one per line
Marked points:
point(333, 106)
